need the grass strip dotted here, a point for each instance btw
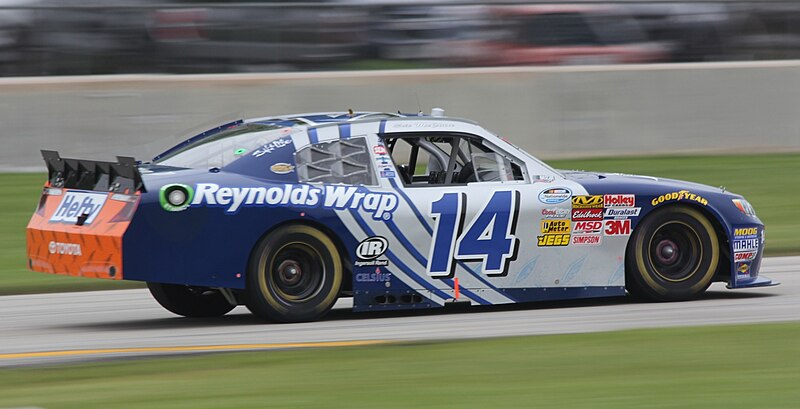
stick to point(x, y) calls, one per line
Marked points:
point(743, 366)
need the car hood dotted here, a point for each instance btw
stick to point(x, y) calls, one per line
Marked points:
point(599, 183)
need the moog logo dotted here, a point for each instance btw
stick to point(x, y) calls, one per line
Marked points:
point(372, 247)
point(75, 204)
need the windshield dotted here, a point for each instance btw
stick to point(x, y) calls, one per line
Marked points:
point(222, 148)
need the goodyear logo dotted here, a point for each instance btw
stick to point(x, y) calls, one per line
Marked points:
point(587, 202)
point(555, 226)
point(679, 195)
point(749, 231)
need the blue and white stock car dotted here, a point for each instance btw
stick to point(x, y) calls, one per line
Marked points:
point(286, 214)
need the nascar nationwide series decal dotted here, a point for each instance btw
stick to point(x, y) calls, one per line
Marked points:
point(380, 205)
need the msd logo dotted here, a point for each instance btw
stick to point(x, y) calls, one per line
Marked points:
point(75, 204)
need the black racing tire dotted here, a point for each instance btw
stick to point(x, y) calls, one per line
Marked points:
point(188, 301)
point(673, 255)
point(294, 275)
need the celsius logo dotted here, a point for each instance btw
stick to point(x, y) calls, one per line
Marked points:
point(372, 247)
point(379, 204)
point(69, 249)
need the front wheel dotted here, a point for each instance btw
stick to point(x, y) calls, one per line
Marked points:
point(295, 275)
point(190, 301)
point(672, 256)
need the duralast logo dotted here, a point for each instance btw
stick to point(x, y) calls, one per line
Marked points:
point(77, 204)
point(69, 249)
point(380, 205)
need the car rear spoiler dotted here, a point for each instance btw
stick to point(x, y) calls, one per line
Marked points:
point(121, 176)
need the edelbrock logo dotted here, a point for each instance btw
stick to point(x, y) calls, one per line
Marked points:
point(75, 204)
point(379, 204)
point(372, 247)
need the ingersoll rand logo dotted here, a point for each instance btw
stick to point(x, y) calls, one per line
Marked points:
point(79, 204)
point(372, 248)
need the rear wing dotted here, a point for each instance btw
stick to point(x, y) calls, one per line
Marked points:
point(121, 176)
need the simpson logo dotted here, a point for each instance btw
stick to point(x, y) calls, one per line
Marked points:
point(380, 205)
point(587, 240)
point(679, 195)
point(588, 227)
point(372, 247)
point(587, 214)
point(622, 212)
point(69, 249)
point(744, 256)
point(555, 226)
point(76, 204)
point(617, 227)
point(587, 202)
point(619, 200)
point(555, 195)
point(555, 213)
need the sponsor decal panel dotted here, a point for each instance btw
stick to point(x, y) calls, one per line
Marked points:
point(587, 227)
point(586, 239)
point(380, 205)
point(587, 202)
point(555, 213)
point(554, 233)
point(743, 269)
point(68, 249)
point(745, 256)
point(282, 168)
point(555, 195)
point(617, 227)
point(272, 146)
point(741, 245)
point(679, 195)
point(78, 204)
point(587, 214)
point(619, 200)
point(622, 212)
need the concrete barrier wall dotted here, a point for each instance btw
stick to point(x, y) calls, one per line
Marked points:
point(551, 112)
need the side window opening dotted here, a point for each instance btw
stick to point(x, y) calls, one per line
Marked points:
point(424, 160)
point(338, 161)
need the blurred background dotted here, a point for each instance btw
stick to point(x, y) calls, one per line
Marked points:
point(79, 37)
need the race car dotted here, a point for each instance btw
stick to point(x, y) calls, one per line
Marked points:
point(286, 214)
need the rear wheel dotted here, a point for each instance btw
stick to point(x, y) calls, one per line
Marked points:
point(295, 275)
point(190, 301)
point(673, 255)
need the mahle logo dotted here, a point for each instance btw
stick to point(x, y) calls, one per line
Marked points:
point(175, 197)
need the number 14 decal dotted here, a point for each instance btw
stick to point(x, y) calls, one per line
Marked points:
point(489, 237)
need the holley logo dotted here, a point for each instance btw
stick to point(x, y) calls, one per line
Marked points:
point(75, 204)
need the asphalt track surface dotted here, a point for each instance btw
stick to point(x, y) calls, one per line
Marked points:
point(70, 327)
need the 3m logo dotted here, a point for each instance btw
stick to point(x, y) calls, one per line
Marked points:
point(77, 204)
point(619, 200)
point(372, 247)
point(587, 202)
point(618, 227)
point(588, 227)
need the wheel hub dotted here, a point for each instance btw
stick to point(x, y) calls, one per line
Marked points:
point(667, 252)
point(290, 272)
